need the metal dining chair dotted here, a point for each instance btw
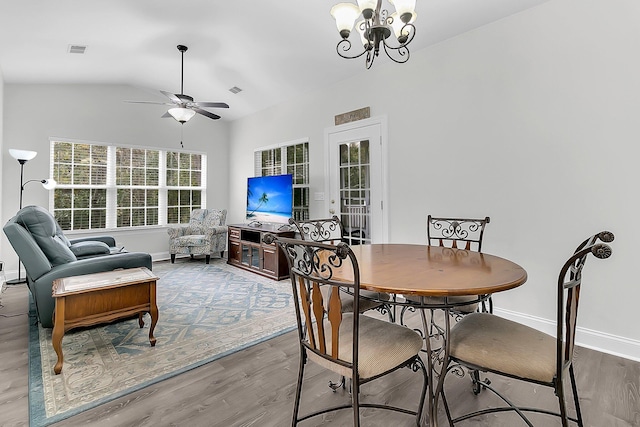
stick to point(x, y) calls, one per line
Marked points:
point(331, 231)
point(483, 341)
point(359, 347)
point(460, 233)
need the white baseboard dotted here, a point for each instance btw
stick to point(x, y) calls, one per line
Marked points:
point(596, 340)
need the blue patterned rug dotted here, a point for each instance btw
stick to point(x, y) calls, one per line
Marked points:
point(206, 312)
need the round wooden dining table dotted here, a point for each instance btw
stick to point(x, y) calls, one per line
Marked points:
point(434, 271)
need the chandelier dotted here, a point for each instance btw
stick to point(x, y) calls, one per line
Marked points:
point(376, 28)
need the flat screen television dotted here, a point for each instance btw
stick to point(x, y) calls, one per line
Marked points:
point(270, 199)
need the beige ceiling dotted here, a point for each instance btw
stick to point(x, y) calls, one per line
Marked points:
point(273, 50)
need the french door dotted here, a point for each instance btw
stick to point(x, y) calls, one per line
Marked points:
point(356, 179)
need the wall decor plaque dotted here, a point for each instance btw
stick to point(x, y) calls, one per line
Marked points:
point(352, 116)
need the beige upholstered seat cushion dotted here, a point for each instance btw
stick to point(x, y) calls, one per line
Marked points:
point(382, 346)
point(469, 308)
point(498, 344)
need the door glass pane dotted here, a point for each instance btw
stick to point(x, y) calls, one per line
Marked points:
point(255, 257)
point(355, 192)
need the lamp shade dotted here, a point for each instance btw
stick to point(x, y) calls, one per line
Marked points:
point(403, 7)
point(397, 25)
point(367, 5)
point(181, 114)
point(49, 184)
point(345, 15)
point(23, 155)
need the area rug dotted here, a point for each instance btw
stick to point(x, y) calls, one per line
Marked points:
point(205, 312)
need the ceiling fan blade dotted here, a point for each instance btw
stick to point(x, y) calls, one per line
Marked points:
point(149, 102)
point(212, 104)
point(165, 115)
point(206, 113)
point(172, 97)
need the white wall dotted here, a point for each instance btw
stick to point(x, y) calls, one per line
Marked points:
point(34, 113)
point(531, 120)
point(3, 254)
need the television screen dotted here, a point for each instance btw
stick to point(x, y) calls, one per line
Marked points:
point(270, 198)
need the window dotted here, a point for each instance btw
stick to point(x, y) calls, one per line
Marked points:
point(80, 199)
point(137, 186)
point(184, 180)
point(105, 186)
point(288, 158)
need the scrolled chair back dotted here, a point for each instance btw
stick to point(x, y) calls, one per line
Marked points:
point(319, 230)
point(312, 266)
point(461, 233)
point(569, 283)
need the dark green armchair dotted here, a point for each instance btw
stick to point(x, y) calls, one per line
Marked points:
point(47, 255)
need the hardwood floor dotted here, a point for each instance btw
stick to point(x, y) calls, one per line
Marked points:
point(255, 387)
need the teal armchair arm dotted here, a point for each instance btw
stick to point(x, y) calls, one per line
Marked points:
point(109, 240)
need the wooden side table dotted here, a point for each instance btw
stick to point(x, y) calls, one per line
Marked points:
point(92, 299)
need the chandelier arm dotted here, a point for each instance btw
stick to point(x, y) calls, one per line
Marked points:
point(412, 32)
point(345, 46)
point(370, 58)
point(402, 52)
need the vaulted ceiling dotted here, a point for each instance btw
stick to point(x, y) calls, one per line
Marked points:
point(272, 50)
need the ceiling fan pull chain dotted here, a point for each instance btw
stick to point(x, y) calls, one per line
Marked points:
point(181, 129)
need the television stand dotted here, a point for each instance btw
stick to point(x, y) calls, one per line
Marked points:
point(249, 252)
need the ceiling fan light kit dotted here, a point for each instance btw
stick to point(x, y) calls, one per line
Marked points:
point(183, 106)
point(376, 28)
point(182, 115)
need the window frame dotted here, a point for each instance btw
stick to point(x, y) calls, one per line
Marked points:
point(112, 188)
point(301, 211)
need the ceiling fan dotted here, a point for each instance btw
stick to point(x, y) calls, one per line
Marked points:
point(184, 105)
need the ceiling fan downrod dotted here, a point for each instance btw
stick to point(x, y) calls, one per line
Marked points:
point(182, 50)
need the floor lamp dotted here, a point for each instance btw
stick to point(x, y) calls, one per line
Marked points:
point(23, 156)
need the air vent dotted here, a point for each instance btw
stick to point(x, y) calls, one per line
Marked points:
point(235, 89)
point(76, 48)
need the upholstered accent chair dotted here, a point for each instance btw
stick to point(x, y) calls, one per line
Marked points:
point(354, 345)
point(47, 254)
point(483, 341)
point(206, 234)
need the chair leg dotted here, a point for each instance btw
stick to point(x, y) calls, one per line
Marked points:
point(221, 254)
point(562, 403)
point(355, 401)
point(173, 258)
point(207, 258)
point(296, 405)
point(576, 400)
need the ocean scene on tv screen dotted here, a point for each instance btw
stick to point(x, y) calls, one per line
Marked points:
point(270, 198)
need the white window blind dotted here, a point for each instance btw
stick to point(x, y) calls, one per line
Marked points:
point(103, 186)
